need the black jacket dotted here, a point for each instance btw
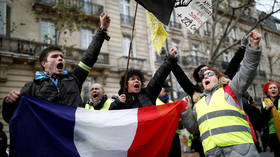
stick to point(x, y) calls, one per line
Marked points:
point(148, 95)
point(190, 88)
point(69, 86)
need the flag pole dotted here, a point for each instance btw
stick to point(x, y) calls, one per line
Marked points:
point(129, 50)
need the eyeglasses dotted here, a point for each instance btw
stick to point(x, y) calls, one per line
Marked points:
point(208, 74)
point(201, 73)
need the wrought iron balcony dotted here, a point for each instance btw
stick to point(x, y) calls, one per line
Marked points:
point(31, 49)
point(261, 73)
point(135, 63)
point(90, 8)
point(175, 24)
point(86, 7)
point(126, 20)
point(191, 60)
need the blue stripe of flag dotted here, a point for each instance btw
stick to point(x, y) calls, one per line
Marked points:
point(40, 128)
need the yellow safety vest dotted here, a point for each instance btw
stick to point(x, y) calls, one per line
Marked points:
point(190, 140)
point(160, 102)
point(270, 122)
point(221, 124)
point(106, 105)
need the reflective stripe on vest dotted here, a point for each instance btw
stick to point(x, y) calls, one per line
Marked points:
point(221, 113)
point(106, 105)
point(270, 122)
point(190, 140)
point(221, 124)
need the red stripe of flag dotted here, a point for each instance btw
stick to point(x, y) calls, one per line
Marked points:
point(156, 128)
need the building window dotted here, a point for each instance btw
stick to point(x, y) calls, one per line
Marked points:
point(266, 39)
point(226, 57)
point(207, 29)
point(173, 21)
point(195, 50)
point(48, 33)
point(87, 8)
point(2, 18)
point(161, 56)
point(126, 19)
point(125, 46)
point(5, 19)
point(234, 33)
point(175, 45)
point(86, 37)
point(207, 51)
point(86, 88)
point(277, 26)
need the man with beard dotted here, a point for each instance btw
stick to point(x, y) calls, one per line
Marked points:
point(98, 99)
point(53, 83)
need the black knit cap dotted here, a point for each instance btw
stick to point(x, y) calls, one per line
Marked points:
point(166, 86)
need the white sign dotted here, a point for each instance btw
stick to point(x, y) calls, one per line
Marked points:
point(193, 13)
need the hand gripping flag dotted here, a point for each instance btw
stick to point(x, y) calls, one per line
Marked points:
point(159, 34)
point(41, 128)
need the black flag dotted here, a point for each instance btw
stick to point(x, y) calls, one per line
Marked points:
point(162, 9)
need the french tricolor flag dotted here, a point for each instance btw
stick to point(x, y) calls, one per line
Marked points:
point(40, 128)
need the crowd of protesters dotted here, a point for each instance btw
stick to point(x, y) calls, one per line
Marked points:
point(222, 119)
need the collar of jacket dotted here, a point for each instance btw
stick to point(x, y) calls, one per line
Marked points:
point(164, 99)
point(98, 105)
point(211, 91)
point(41, 75)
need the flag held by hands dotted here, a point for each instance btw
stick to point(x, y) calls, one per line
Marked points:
point(41, 128)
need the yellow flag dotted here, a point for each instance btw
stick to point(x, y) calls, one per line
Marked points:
point(159, 34)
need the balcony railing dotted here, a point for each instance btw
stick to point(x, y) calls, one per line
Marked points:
point(33, 49)
point(90, 8)
point(86, 7)
point(175, 24)
point(135, 63)
point(261, 73)
point(126, 20)
point(191, 60)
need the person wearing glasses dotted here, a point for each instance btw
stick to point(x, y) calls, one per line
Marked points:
point(219, 115)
